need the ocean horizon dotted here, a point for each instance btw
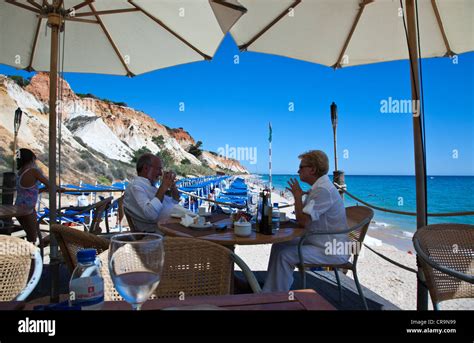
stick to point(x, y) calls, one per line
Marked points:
point(397, 192)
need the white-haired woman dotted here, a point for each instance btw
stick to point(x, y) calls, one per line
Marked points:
point(322, 210)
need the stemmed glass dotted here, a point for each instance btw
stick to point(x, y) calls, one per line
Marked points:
point(135, 265)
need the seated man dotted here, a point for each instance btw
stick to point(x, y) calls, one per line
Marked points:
point(148, 204)
point(322, 210)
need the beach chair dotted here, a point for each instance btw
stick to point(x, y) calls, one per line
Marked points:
point(192, 266)
point(446, 256)
point(18, 260)
point(118, 211)
point(95, 213)
point(358, 220)
point(70, 241)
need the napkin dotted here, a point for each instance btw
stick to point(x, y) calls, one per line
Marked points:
point(187, 220)
point(177, 209)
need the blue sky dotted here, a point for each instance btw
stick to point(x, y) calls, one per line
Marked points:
point(231, 104)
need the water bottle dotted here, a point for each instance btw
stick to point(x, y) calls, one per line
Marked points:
point(266, 224)
point(259, 217)
point(276, 216)
point(86, 287)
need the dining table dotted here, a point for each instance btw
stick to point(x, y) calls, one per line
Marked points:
point(287, 231)
point(7, 212)
point(10, 211)
point(294, 300)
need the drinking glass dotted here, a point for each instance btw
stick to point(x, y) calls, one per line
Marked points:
point(135, 265)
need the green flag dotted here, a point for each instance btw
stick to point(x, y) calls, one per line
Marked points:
point(269, 132)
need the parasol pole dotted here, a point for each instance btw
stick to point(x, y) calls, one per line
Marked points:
point(420, 172)
point(54, 22)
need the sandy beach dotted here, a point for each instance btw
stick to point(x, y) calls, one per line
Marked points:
point(387, 280)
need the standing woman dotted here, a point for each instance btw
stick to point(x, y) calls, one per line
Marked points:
point(27, 189)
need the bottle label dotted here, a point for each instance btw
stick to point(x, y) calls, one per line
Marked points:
point(86, 291)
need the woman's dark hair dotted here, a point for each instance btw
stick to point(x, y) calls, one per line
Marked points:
point(24, 157)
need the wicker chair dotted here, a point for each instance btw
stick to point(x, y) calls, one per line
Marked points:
point(136, 223)
point(358, 220)
point(446, 256)
point(16, 263)
point(71, 241)
point(193, 266)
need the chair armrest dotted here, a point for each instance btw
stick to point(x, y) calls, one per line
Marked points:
point(314, 233)
point(38, 269)
point(445, 270)
point(247, 273)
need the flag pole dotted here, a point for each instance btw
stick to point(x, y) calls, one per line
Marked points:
point(270, 155)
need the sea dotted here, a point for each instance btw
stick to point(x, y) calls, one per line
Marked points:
point(445, 194)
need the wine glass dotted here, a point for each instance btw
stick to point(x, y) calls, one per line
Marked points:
point(135, 265)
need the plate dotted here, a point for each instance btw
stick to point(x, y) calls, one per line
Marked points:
point(197, 226)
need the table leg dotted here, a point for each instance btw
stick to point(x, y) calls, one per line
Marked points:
point(232, 276)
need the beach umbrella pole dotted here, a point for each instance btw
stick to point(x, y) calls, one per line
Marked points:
point(54, 22)
point(420, 172)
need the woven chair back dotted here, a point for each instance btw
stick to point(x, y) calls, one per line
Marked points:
point(192, 267)
point(72, 240)
point(451, 246)
point(15, 266)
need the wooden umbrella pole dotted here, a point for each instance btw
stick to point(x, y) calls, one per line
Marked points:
point(420, 172)
point(54, 22)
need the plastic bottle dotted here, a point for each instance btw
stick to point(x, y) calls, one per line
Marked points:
point(86, 287)
point(266, 227)
point(258, 219)
point(264, 217)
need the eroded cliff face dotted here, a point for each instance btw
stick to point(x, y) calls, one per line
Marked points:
point(98, 137)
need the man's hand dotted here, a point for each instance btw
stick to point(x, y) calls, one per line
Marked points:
point(167, 181)
point(174, 191)
point(295, 188)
